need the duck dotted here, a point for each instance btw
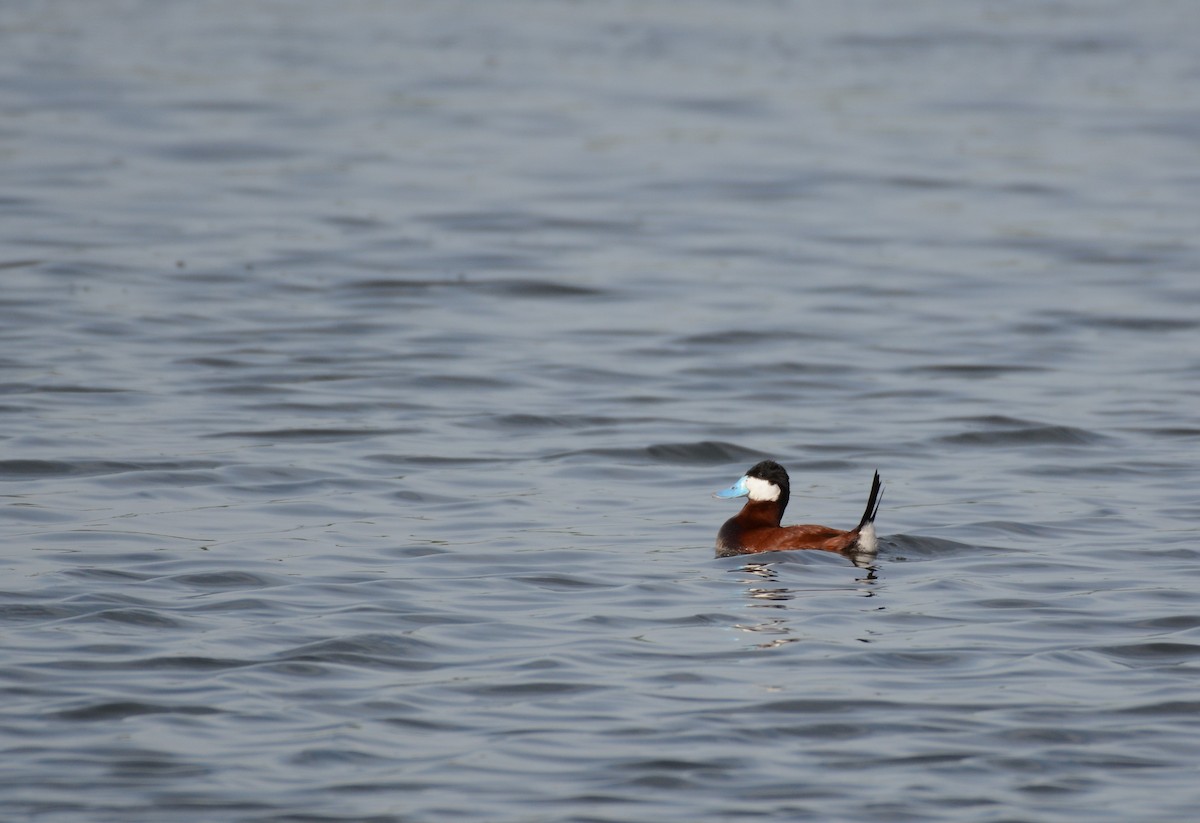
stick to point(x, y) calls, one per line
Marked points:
point(756, 528)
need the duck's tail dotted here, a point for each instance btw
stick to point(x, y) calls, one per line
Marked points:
point(866, 526)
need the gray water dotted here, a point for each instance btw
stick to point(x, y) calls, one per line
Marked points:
point(366, 369)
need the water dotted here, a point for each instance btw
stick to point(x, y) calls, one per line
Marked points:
point(366, 371)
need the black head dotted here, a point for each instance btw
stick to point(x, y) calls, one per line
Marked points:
point(770, 471)
point(765, 482)
point(775, 474)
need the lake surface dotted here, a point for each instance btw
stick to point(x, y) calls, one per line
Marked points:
point(366, 369)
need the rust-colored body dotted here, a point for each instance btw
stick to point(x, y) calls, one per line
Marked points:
point(756, 528)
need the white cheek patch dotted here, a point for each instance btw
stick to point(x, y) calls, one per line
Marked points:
point(762, 490)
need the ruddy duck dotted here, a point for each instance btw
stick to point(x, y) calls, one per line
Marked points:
point(756, 527)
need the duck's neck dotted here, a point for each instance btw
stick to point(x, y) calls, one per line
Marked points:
point(758, 513)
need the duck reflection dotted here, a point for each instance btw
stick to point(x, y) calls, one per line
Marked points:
point(776, 627)
point(774, 596)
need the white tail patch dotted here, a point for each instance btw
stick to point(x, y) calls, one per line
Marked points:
point(866, 538)
point(762, 490)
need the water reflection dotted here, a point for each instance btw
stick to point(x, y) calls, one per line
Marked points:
point(777, 627)
point(768, 596)
point(863, 560)
point(765, 572)
point(759, 577)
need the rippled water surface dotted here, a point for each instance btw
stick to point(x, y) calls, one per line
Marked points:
point(366, 369)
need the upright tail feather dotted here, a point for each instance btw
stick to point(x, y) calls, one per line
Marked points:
point(872, 503)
